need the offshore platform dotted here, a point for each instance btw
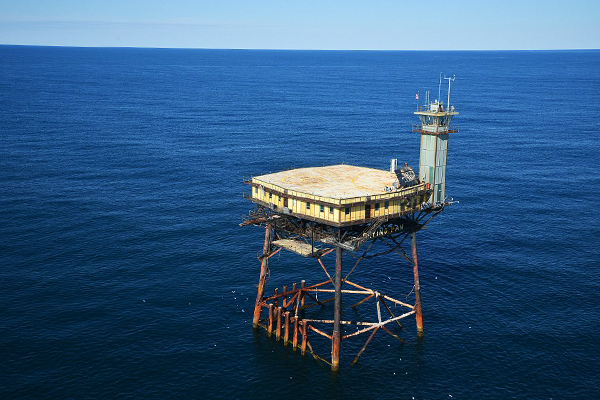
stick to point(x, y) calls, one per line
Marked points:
point(355, 211)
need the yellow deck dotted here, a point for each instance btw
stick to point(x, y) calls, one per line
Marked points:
point(338, 195)
point(334, 181)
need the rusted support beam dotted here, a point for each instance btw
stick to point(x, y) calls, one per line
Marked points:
point(360, 287)
point(304, 337)
point(392, 334)
point(362, 257)
point(365, 346)
point(299, 300)
point(302, 284)
point(371, 327)
point(320, 332)
point(336, 337)
point(286, 337)
point(431, 217)
point(398, 249)
point(315, 355)
point(325, 270)
point(294, 299)
point(389, 310)
point(312, 297)
point(330, 321)
point(320, 303)
point(295, 339)
point(274, 252)
point(378, 308)
point(363, 300)
point(270, 327)
point(316, 285)
point(375, 325)
point(343, 291)
point(278, 295)
point(278, 311)
point(418, 310)
point(262, 326)
point(398, 302)
point(264, 266)
point(327, 251)
point(351, 254)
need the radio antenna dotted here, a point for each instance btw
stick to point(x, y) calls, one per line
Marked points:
point(440, 89)
point(449, 80)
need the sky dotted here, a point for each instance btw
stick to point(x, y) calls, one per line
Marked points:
point(305, 24)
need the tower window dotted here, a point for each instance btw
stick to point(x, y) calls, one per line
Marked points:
point(376, 206)
point(270, 195)
point(308, 206)
point(386, 205)
point(347, 210)
point(322, 208)
point(330, 210)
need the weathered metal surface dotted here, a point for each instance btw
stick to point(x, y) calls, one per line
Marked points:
point(337, 312)
point(333, 182)
point(287, 307)
point(261, 281)
point(286, 320)
point(417, 307)
point(299, 247)
point(286, 337)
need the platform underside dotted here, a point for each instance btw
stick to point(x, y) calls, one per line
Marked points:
point(306, 237)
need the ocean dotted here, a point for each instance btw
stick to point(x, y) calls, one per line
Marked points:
point(124, 273)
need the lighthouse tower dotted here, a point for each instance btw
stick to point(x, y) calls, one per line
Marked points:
point(435, 118)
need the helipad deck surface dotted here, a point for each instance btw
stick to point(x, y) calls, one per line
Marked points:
point(334, 181)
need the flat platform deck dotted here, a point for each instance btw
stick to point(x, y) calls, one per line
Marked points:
point(334, 181)
point(299, 247)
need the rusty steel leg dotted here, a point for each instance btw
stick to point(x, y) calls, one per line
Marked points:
point(418, 311)
point(286, 336)
point(336, 338)
point(279, 313)
point(271, 315)
point(263, 273)
point(295, 340)
point(304, 337)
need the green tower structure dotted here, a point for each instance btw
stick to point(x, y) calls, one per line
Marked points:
point(435, 118)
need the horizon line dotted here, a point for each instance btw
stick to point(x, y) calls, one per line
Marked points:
point(281, 49)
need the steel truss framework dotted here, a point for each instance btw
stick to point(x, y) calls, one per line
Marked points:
point(283, 313)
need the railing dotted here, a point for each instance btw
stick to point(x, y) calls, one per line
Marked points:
point(451, 129)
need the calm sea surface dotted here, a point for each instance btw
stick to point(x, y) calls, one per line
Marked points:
point(124, 274)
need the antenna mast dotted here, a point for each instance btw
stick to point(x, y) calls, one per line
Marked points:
point(440, 89)
point(449, 80)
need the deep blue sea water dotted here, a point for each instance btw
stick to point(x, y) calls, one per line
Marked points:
point(124, 273)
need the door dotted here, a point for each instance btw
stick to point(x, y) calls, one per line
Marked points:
point(367, 211)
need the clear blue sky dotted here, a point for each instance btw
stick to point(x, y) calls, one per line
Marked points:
point(305, 24)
